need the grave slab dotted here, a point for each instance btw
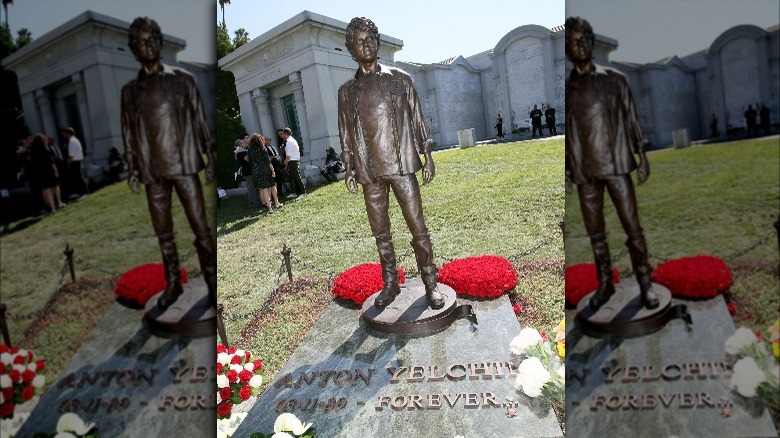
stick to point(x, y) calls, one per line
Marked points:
point(351, 382)
point(131, 383)
point(671, 383)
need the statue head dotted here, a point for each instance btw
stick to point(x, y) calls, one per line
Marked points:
point(579, 32)
point(144, 26)
point(357, 24)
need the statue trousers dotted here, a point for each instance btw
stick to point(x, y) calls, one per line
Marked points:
point(407, 193)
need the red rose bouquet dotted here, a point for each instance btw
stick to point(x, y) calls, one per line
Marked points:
point(698, 277)
point(239, 376)
point(21, 378)
point(581, 280)
point(143, 282)
point(360, 282)
point(486, 276)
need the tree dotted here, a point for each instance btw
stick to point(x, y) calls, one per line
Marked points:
point(241, 38)
point(23, 37)
point(227, 99)
point(222, 4)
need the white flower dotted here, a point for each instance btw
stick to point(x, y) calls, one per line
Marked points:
point(20, 368)
point(532, 376)
point(32, 367)
point(70, 422)
point(222, 381)
point(219, 400)
point(236, 367)
point(65, 435)
point(256, 381)
point(528, 336)
point(288, 422)
point(9, 427)
point(249, 366)
point(38, 381)
point(226, 427)
point(5, 381)
point(747, 376)
point(223, 358)
point(282, 435)
point(739, 339)
point(241, 354)
point(6, 358)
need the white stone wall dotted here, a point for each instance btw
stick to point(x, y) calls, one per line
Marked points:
point(526, 76)
point(739, 69)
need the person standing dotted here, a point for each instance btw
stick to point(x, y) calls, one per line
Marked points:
point(549, 117)
point(273, 157)
point(536, 121)
point(750, 120)
point(263, 175)
point(603, 135)
point(499, 127)
point(292, 161)
point(382, 131)
point(44, 170)
point(240, 154)
point(765, 120)
point(165, 134)
point(78, 185)
point(714, 126)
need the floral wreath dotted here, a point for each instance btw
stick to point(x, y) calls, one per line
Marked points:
point(21, 378)
point(698, 277)
point(360, 282)
point(486, 276)
point(581, 279)
point(143, 282)
point(239, 376)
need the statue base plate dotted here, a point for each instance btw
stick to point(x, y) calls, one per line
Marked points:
point(624, 313)
point(409, 313)
point(191, 314)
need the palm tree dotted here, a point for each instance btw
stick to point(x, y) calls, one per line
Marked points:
point(222, 4)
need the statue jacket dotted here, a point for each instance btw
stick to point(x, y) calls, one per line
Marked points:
point(603, 132)
point(164, 126)
point(404, 136)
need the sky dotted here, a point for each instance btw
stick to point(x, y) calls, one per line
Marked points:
point(431, 30)
point(649, 30)
point(198, 29)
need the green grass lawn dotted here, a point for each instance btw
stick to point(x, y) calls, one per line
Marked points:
point(720, 199)
point(110, 232)
point(503, 199)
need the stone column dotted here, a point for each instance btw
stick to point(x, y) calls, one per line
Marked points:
point(47, 122)
point(261, 99)
point(86, 121)
point(303, 121)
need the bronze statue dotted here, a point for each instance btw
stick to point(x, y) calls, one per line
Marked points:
point(603, 135)
point(165, 133)
point(382, 132)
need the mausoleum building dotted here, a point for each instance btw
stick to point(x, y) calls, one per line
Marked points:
point(740, 68)
point(74, 74)
point(290, 75)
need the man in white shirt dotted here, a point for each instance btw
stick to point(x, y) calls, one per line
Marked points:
point(78, 186)
point(291, 163)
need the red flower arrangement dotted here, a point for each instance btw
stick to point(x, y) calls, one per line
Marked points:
point(581, 279)
point(21, 378)
point(144, 281)
point(486, 276)
point(698, 277)
point(360, 282)
point(239, 376)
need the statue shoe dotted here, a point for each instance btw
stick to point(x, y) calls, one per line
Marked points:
point(601, 296)
point(169, 296)
point(435, 298)
point(387, 295)
point(649, 298)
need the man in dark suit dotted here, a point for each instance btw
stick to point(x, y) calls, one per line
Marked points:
point(165, 134)
point(603, 134)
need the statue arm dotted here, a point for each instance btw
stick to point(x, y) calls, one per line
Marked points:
point(128, 137)
point(346, 140)
point(202, 127)
point(638, 140)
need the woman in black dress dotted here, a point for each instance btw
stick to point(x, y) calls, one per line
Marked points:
point(262, 171)
point(44, 171)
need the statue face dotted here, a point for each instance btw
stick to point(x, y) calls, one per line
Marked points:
point(146, 47)
point(579, 47)
point(364, 46)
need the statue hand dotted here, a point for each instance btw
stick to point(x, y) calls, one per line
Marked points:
point(134, 183)
point(429, 170)
point(643, 172)
point(349, 180)
point(211, 171)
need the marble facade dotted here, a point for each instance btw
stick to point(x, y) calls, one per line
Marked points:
point(740, 68)
point(73, 76)
point(303, 60)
